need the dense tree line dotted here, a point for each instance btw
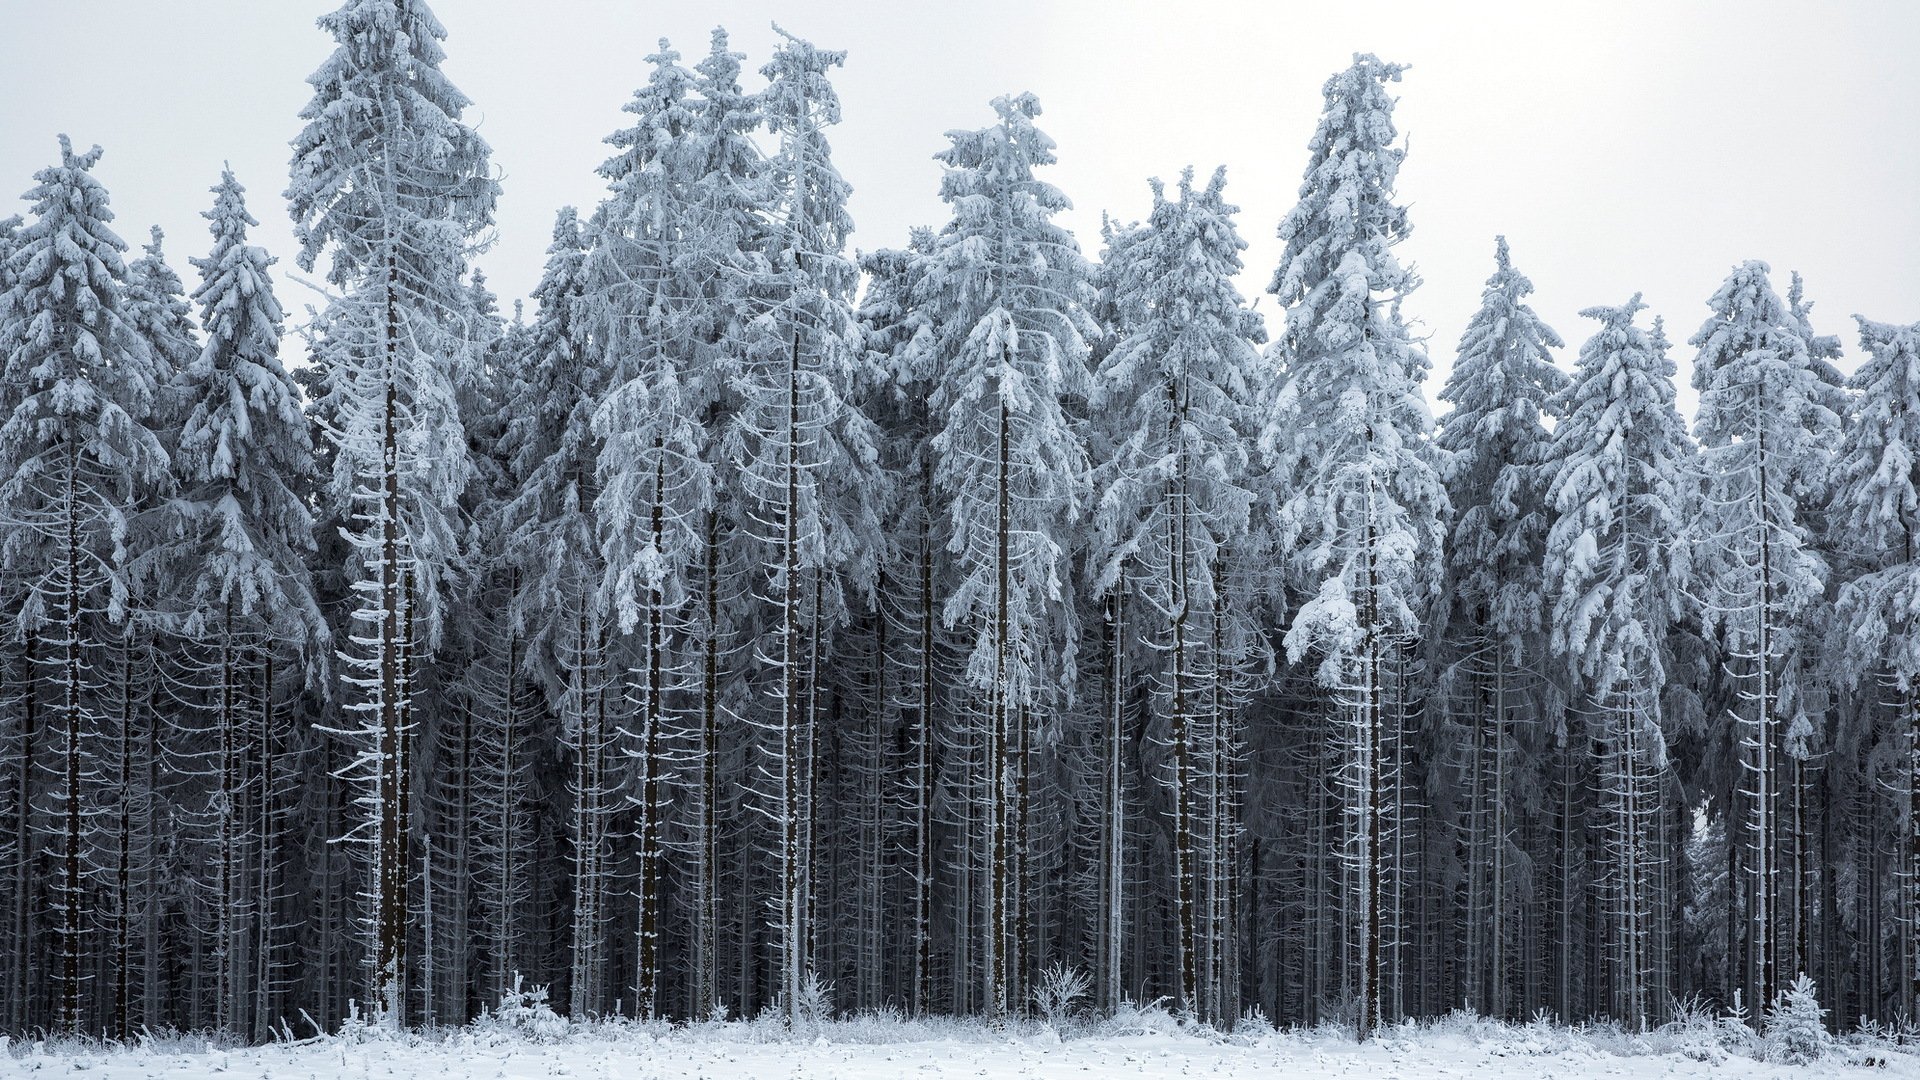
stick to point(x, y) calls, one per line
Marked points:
point(746, 624)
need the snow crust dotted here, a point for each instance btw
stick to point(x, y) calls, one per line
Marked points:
point(893, 1050)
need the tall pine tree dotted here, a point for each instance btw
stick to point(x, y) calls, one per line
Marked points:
point(1361, 507)
point(387, 178)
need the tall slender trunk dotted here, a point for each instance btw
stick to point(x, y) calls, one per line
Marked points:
point(20, 973)
point(1114, 819)
point(998, 787)
point(227, 919)
point(792, 874)
point(647, 918)
point(706, 932)
point(923, 779)
point(267, 873)
point(390, 869)
point(72, 817)
point(122, 1022)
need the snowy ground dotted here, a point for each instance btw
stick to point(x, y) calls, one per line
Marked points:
point(737, 1052)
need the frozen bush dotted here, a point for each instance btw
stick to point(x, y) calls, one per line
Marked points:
point(523, 1011)
point(1061, 988)
point(1796, 1027)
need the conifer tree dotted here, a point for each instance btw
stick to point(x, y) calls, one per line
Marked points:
point(805, 463)
point(1622, 477)
point(1878, 502)
point(551, 540)
point(388, 180)
point(1360, 503)
point(726, 201)
point(1765, 430)
point(1006, 294)
point(1175, 498)
point(646, 272)
point(134, 819)
point(243, 531)
point(75, 461)
point(909, 586)
point(17, 716)
point(1502, 389)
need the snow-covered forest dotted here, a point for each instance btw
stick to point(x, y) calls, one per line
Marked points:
point(745, 625)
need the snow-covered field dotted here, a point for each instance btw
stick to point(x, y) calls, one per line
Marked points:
point(867, 1052)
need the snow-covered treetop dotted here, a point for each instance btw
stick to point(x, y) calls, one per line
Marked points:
point(649, 157)
point(243, 322)
point(1002, 248)
point(245, 461)
point(799, 103)
point(1346, 198)
point(1758, 381)
point(78, 375)
point(1620, 492)
point(384, 164)
point(1503, 386)
point(1177, 388)
point(66, 277)
point(1504, 379)
point(1877, 476)
point(157, 307)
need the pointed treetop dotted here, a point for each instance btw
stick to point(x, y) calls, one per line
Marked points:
point(1615, 316)
point(229, 213)
point(798, 73)
point(69, 160)
point(1346, 196)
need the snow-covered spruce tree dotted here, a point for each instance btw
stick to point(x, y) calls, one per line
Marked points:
point(1796, 1025)
point(17, 717)
point(552, 543)
point(157, 306)
point(1502, 390)
point(918, 656)
point(1622, 477)
point(133, 812)
point(75, 461)
point(1005, 290)
point(239, 532)
point(1765, 431)
point(646, 276)
point(387, 179)
point(1361, 508)
point(725, 199)
point(449, 755)
point(1174, 496)
point(503, 725)
point(805, 465)
point(1107, 676)
point(1877, 501)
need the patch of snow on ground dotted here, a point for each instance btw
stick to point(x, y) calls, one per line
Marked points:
point(890, 1050)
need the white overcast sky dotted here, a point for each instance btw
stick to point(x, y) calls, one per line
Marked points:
point(1621, 147)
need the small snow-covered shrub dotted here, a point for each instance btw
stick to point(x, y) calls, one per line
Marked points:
point(814, 1005)
point(1133, 1018)
point(523, 1011)
point(1796, 1027)
point(1696, 1032)
point(1540, 1035)
point(1252, 1029)
point(1468, 1024)
point(1061, 988)
point(359, 1028)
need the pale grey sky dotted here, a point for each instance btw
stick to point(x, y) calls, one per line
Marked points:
point(1622, 147)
